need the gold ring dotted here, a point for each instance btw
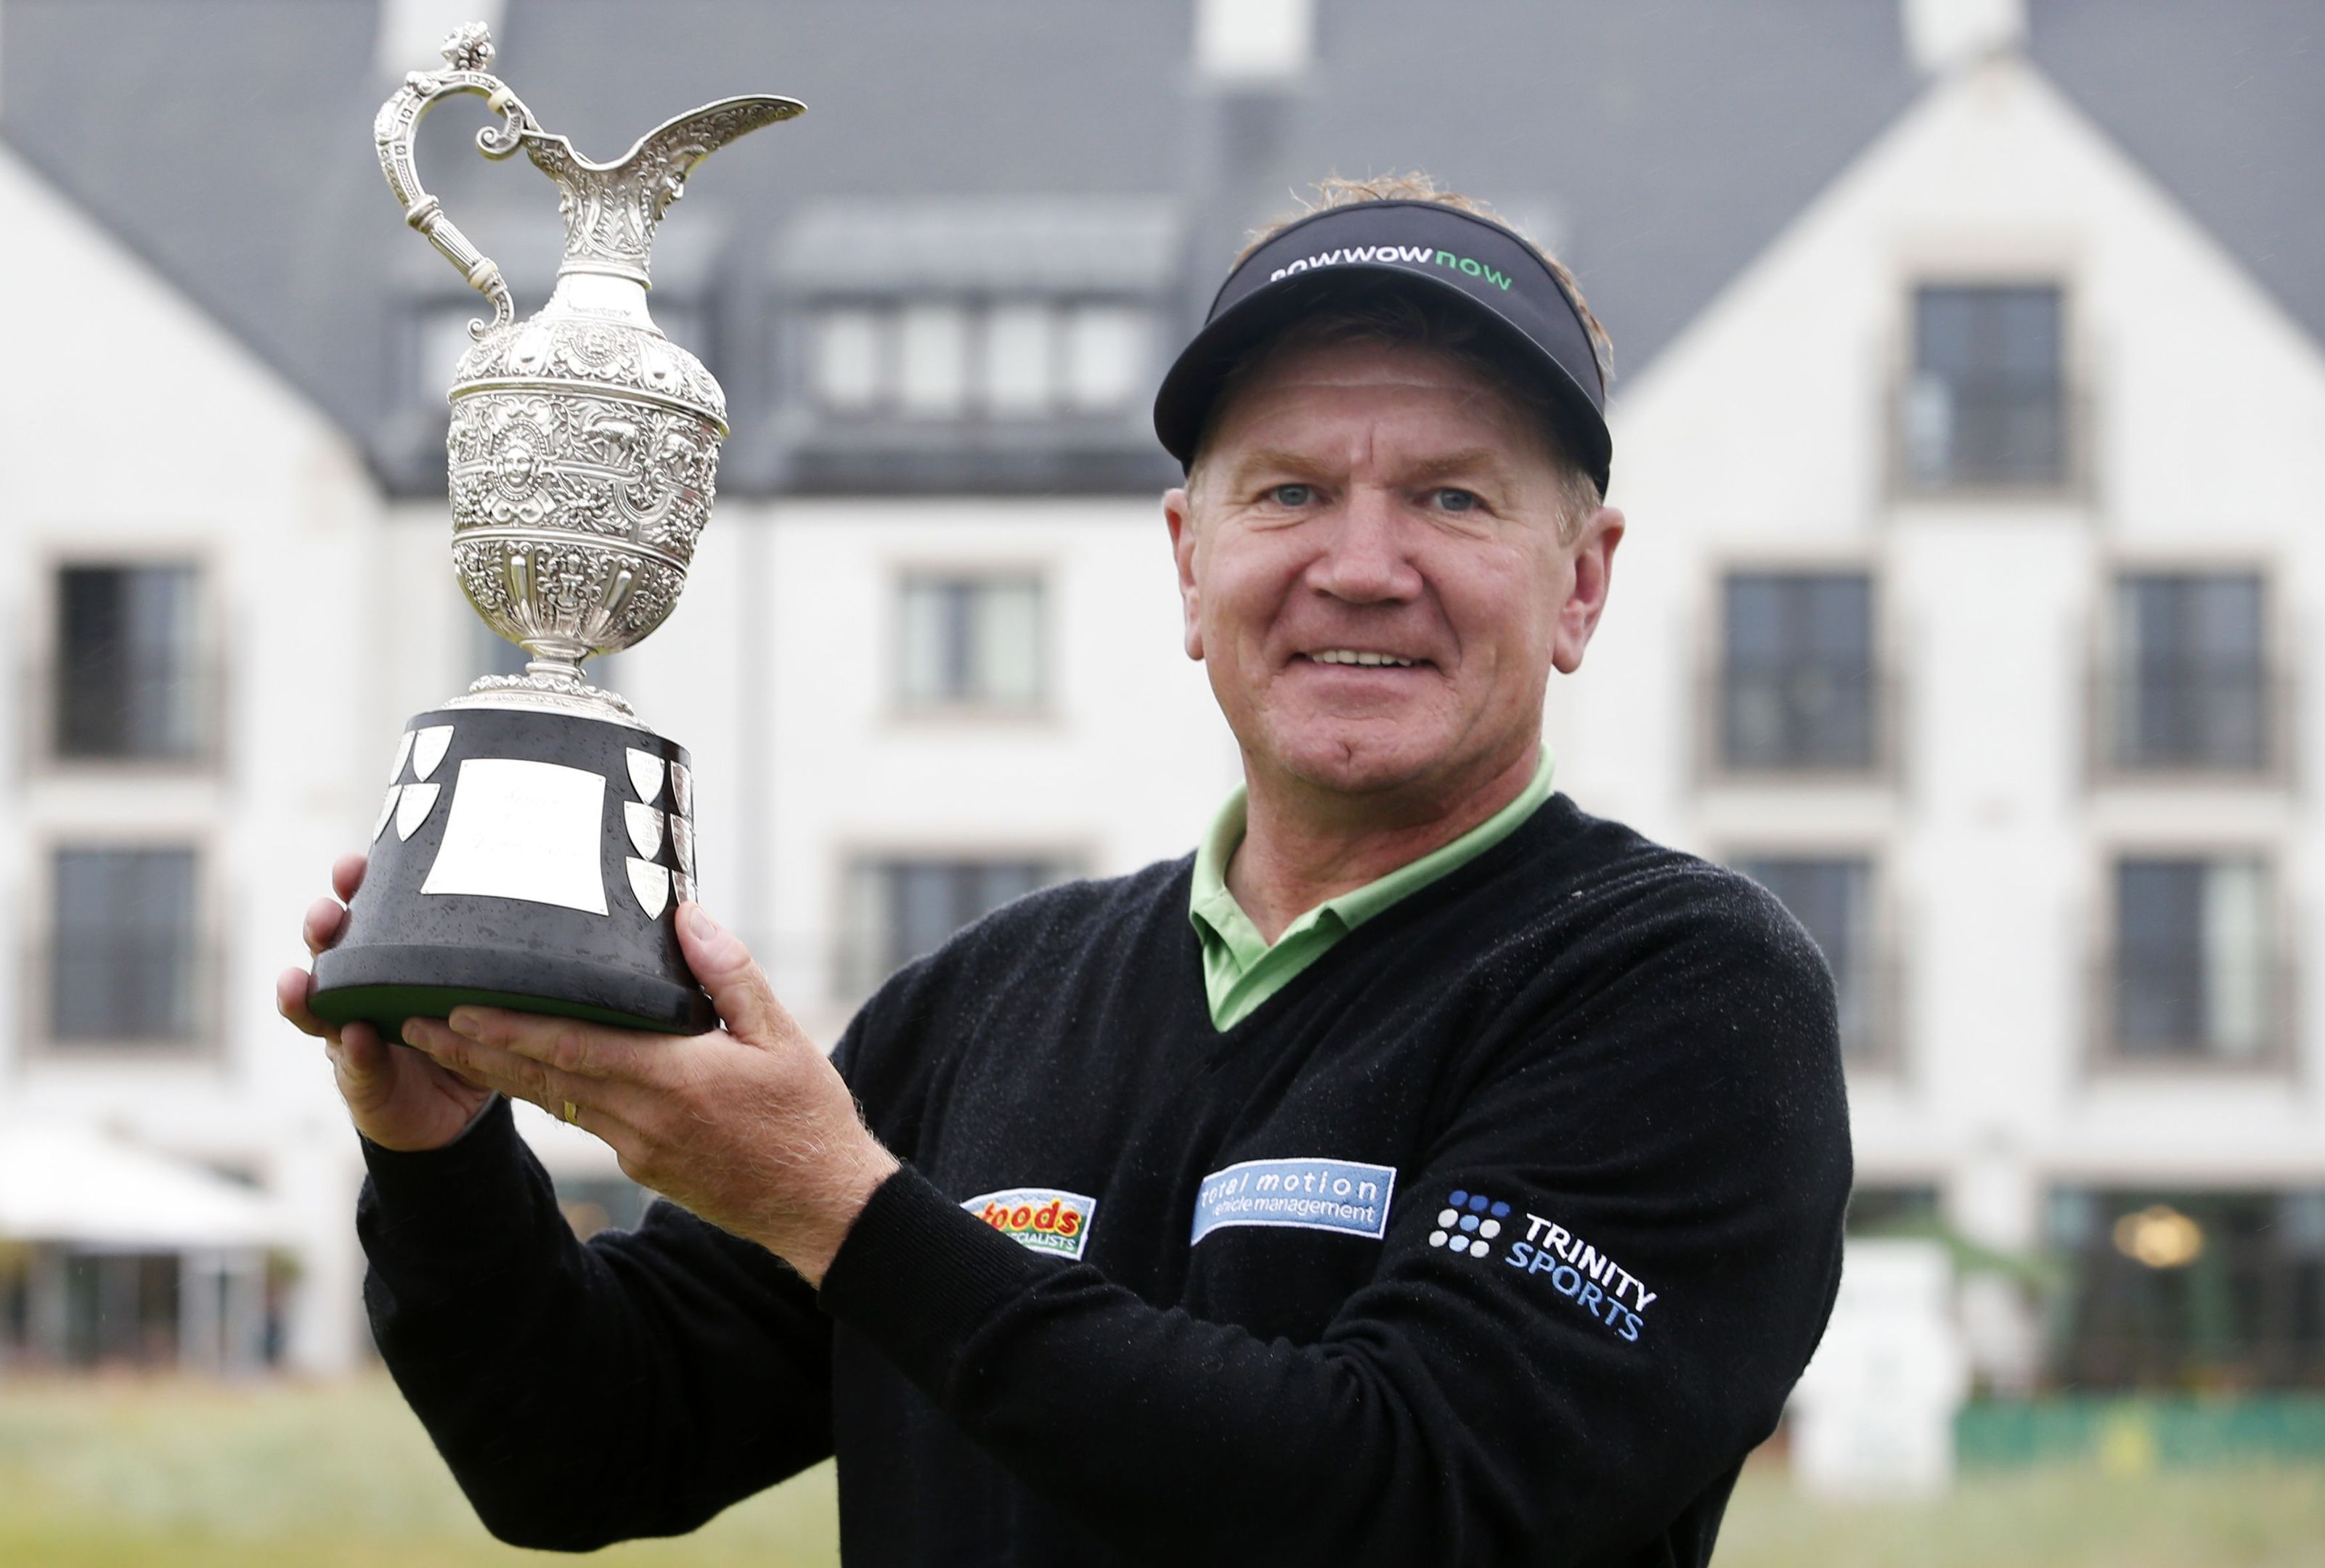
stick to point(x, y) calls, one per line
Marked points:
point(572, 1112)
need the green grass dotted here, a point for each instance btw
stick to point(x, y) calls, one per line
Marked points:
point(2058, 1516)
point(146, 1474)
point(143, 1475)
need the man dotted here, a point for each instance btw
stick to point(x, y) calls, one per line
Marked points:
point(1422, 1171)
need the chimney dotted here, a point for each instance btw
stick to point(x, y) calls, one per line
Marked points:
point(411, 31)
point(1253, 43)
point(1946, 35)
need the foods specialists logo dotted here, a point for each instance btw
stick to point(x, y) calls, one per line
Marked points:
point(1041, 1218)
point(1470, 1223)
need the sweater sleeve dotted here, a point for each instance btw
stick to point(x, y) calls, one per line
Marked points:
point(1591, 1300)
point(635, 1385)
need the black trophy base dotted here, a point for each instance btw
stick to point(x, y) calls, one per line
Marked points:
point(524, 859)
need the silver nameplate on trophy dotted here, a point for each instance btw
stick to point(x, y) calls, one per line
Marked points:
point(524, 830)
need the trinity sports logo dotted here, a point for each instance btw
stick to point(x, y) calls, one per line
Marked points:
point(1471, 1223)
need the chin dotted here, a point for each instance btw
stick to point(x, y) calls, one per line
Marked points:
point(1356, 765)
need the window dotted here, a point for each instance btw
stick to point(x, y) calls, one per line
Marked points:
point(123, 964)
point(1832, 897)
point(1002, 360)
point(2194, 965)
point(1021, 360)
point(1986, 405)
point(970, 641)
point(901, 909)
point(933, 360)
point(1797, 682)
point(2188, 685)
point(127, 680)
point(2171, 1290)
point(1105, 355)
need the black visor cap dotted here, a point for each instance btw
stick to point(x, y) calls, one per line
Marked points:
point(1443, 252)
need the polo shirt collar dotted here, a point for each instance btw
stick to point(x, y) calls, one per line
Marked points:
point(1241, 968)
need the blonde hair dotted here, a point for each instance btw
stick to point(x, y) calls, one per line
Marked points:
point(1386, 316)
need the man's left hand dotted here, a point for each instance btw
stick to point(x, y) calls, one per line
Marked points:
point(749, 1126)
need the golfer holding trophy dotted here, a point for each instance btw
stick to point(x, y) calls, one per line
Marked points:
point(1420, 1171)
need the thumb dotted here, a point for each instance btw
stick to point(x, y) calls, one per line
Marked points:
point(738, 987)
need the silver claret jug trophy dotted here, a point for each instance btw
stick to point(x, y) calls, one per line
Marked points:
point(537, 838)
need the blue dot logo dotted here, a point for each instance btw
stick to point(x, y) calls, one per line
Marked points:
point(1463, 1227)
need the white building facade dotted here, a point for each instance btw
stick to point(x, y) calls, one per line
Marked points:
point(1972, 545)
point(1975, 533)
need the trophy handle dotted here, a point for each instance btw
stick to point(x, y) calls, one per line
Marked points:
point(468, 51)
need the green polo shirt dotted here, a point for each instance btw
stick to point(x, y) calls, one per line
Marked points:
point(1241, 970)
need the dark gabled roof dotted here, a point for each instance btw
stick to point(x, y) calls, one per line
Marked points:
point(2224, 104)
point(1664, 142)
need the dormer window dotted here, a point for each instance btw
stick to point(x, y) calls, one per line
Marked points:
point(993, 359)
point(957, 345)
point(1986, 406)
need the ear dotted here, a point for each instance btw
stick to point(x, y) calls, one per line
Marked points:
point(1179, 516)
point(1586, 599)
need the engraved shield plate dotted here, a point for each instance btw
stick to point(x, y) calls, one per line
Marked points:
point(524, 830)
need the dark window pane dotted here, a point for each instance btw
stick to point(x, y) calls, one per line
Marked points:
point(909, 908)
point(1988, 402)
point(970, 641)
point(2194, 962)
point(125, 675)
point(121, 1309)
point(123, 953)
point(2184, 1289)
point(2190, 687)
point(1832, 897)
point(1798, 679)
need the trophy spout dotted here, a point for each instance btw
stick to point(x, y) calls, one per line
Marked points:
point(611, 209)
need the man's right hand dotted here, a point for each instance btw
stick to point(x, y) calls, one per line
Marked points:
point(400, 1100)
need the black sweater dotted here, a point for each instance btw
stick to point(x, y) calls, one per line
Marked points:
point(1551, 1160)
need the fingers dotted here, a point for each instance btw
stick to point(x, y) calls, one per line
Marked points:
point(290, 989)
point(321, 925)
point(738, 987)
point(359, 1062)
point(583, 1050)
point(347, 874)
point(614, 1103)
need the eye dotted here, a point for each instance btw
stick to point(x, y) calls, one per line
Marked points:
point(1449, 499)
point(1292, 495)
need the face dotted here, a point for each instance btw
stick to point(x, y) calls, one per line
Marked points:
point(1371, 573)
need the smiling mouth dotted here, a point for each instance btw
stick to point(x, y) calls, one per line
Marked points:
point(1361, 656)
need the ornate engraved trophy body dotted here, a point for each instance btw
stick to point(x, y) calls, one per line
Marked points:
point(537, 838)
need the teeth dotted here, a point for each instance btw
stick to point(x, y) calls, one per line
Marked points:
point(1351, 656)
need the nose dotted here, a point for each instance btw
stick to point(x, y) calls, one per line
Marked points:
point(1364, 560)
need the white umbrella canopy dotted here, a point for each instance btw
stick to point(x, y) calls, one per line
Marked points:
point(73, 1184)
